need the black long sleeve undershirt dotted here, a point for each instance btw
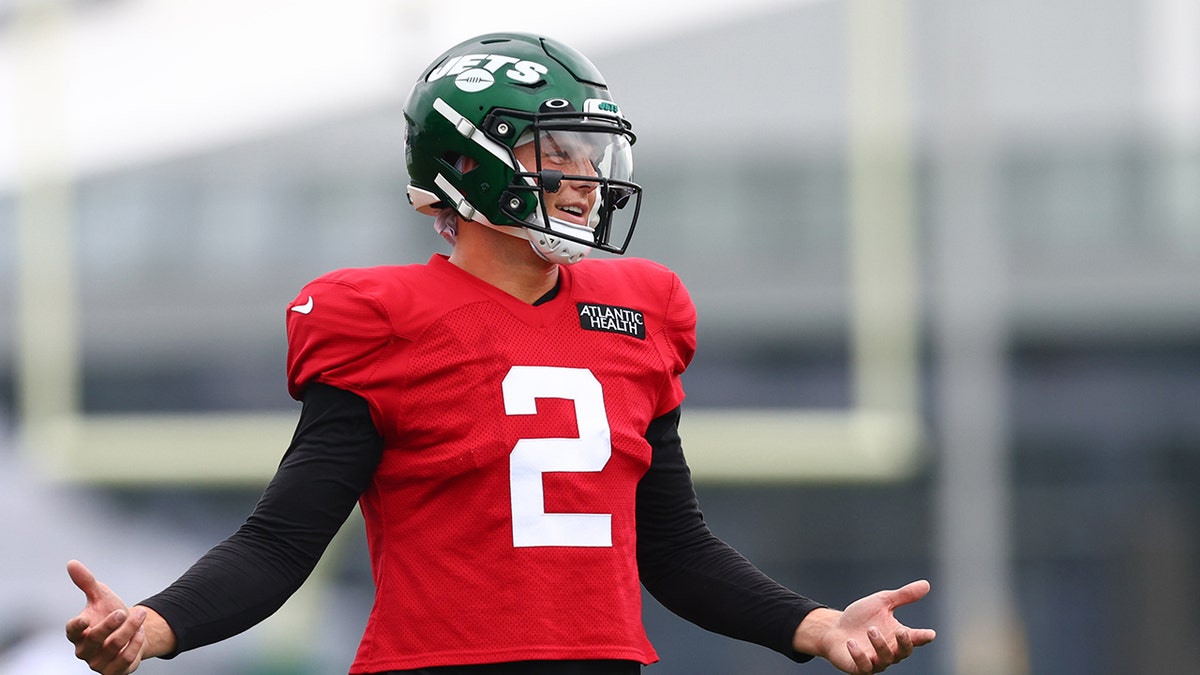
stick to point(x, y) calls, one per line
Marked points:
point(247, 577)
point(328, 465)
point(695, 574)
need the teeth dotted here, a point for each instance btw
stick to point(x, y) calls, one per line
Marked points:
point(573, 210)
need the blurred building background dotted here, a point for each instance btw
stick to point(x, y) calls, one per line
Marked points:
point(982, 218)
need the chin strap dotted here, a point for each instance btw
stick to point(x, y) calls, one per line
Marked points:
point(558, 249)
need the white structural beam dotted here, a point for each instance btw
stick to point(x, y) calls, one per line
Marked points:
point(981, 631)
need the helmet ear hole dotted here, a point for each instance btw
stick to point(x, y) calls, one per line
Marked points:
point(461, 163)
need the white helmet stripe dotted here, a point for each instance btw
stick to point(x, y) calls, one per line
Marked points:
point(464, 207)
point(466, 210)
point(468, 130)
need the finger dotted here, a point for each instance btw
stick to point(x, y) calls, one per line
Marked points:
point(908, 593)
point(861, 661)
point(130, 657)
point(119, 639)
point(76, 628)
point(922, 636)
point(883, 651)
point(904, 644)
point(95, 637)
point(85, 580)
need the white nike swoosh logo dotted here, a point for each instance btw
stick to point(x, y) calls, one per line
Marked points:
point(305, 308)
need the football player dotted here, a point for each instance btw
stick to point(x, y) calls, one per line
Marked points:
point(506, 417)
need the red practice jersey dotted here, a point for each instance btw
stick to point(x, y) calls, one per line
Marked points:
point(501, 518)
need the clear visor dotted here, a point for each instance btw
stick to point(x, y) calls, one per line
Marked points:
point(585, 155)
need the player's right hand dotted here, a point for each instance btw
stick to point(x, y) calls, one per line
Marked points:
point(107, 634)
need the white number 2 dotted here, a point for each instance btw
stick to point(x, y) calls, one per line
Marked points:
point(532, 457)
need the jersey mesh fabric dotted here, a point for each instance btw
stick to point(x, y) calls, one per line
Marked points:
point(446, 363)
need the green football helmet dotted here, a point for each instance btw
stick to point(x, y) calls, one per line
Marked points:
point(519, 132)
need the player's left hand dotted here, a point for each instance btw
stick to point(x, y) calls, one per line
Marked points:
point(866, 637)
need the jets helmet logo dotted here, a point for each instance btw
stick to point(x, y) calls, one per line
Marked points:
point(476, 72)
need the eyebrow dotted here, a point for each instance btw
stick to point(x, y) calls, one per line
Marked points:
point(551, 140)
point(576, 148)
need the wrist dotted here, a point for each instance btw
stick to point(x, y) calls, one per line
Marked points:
point(809, 634)
point(160, 639)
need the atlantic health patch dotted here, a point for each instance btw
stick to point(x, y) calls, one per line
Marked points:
point(612, 319)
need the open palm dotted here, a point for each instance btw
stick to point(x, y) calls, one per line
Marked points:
point(867, 638)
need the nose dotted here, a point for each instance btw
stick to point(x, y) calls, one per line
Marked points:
point(582, 186)
point(584, 168)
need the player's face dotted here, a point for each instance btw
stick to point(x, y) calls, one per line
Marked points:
point(570, 154)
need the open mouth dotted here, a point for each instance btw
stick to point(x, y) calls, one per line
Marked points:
point(572, 213)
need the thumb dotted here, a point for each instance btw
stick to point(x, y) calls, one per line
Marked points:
point(908, 593)
point(83, 578)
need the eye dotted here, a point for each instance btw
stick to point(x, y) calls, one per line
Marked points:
point(556, 155)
